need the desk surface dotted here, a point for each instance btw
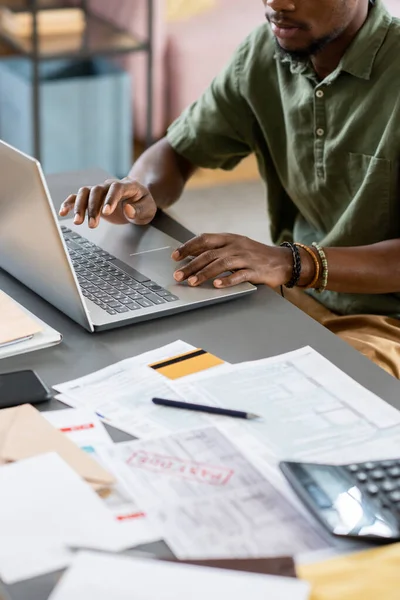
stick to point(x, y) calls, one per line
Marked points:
point(257, 326)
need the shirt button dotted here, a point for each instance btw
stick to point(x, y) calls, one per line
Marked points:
point(320, 132)
point(319, 94)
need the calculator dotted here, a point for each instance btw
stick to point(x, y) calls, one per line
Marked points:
point(360, 500)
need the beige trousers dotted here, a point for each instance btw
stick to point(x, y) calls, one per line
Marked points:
point(378, 338)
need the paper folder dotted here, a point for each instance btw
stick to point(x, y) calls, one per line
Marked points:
point(25, 433)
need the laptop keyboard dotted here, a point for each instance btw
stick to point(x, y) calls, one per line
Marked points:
point(110, 283)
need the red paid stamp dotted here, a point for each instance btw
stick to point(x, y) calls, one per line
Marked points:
point(187, 469)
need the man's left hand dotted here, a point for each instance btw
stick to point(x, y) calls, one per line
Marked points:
point(214, 254)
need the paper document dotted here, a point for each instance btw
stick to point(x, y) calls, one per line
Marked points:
point(24, 433)
point(15, 324)
point(81, 426)
point(21, 331)
point(210, 501)
point(87, 431)
point(45, 507)
point(100, 577)
point(311, 410)
point(122, 395)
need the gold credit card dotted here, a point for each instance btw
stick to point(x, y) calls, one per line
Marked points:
point(187, 364)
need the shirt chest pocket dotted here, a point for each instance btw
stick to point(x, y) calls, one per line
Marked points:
point(365, 217)
point(370, 176)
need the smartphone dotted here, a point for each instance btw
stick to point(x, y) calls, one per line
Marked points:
point(22, 387)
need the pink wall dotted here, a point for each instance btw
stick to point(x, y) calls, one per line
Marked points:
point(188, 53)
point(131, 15)
point(198, 48)
point(393, 6)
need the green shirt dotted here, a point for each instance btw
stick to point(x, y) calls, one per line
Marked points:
point(327, 150)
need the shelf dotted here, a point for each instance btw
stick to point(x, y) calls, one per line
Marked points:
point(22, 5)
point(100, 37)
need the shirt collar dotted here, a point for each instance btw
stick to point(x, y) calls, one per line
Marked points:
point(360, 56)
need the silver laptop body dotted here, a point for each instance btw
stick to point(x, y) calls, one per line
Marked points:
point(101, 278)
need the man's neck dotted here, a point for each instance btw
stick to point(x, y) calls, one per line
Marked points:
point(326, 61)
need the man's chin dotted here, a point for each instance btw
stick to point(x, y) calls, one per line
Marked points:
point(304, 53)
point(286, 49)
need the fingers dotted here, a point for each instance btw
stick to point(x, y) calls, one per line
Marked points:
point(133, 201)
point(67, 205)
point(211, 270)
point(126, 189)
point(200, 244)
point(198, 264)
point(141, 212)
point(95, 204)
point(235, 279)
point(80, 205)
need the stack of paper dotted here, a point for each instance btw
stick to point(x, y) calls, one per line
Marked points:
point(310, 410)
point(210, 501)
point(24, 433)
point(92, 576)
point(20, 331)
point(46, 509)
point(15, 324)
point(122, 394)
point(83, 428)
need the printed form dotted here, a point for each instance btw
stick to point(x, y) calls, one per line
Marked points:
point(310, 410)
point(210, 501)
point(121, 394)
point(88, 432)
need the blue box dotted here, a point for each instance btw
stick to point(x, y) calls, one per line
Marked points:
point(86, 113)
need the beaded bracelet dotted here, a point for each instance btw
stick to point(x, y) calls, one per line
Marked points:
point(325, 271)
point(296, 265)
point(317, 268)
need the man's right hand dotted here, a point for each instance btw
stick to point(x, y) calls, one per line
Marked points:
point(119, 201)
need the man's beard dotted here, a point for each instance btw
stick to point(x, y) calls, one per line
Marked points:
point(315, 48)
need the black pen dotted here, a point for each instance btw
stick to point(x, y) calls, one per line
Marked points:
point(214, 410)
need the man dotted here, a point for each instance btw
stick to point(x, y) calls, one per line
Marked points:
point(314, 93)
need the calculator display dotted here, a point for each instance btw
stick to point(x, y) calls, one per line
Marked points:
point(342, 503)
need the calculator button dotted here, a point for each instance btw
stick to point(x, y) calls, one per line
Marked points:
point(352, 468)
point(395, 496)
point(369, 466)
point(388, 486)
point(372, 489)
point(378, 475)
point(394, 472)
point(386, 464)
point(361, 477)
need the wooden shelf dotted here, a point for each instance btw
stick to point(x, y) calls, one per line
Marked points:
point(99, 37)
point(25, 5)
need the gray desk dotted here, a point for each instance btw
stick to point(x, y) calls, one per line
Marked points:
point(254, 327)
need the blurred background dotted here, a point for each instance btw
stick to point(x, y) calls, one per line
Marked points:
point(90, 83)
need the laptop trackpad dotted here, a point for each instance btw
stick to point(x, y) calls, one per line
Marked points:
point(156, 264)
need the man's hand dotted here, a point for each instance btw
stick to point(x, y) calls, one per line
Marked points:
point(124, 201)
point(249, 260)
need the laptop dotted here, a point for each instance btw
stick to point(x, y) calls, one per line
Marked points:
point(102, 278)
